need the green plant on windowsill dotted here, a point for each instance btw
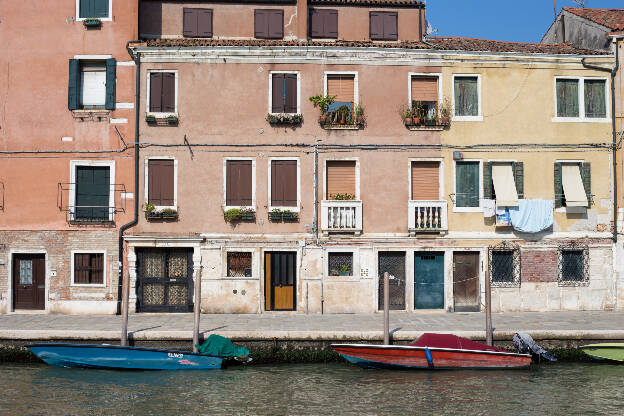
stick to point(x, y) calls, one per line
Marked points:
point(445, 112)
point(168, 213)
point(342, 197)
point(150, 118)
point(92, 22)
point(358, 111)
point(275, 214)
point(334, 272)
point(284, 118)
point(344, 270)
point(149, 208)
point(289, 215)
point(236, 214)
point(322, 102)
point(406, 115)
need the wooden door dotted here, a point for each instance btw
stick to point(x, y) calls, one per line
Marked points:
point(29, 281)
point(466, 281)
point(280, 276)
point(428, 280)
point(392, 262)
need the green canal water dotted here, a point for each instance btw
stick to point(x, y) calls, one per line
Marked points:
point(314, 389)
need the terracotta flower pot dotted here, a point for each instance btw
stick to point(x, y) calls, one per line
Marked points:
point(416, 120)
point(408, 120)
point(323, 118)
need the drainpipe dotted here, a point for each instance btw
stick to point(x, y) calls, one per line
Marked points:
point(420, 31)
point(613, 72)
point(124, 279)
point(316, 216)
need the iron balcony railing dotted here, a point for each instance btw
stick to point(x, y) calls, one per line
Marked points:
point(84, 214)
point(427, 216)
point(341, 216)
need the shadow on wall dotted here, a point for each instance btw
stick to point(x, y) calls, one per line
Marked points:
point(151, 19)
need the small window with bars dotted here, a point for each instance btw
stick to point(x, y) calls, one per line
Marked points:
point(239, 264)
point(573, 266)
point(340, 264)
point(505, 267)
point(89, 268)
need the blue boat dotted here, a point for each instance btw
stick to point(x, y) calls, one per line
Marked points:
point(121, 357)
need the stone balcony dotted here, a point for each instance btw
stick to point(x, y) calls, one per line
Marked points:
point(341, 217)
point(427, 217)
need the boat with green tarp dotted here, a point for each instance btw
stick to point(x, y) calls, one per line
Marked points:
point(608, 351)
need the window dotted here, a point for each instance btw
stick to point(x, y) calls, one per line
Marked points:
point(573, 267)
point(340, 264)
point(239, 183)
point(92, 194)
point(324, 23)
point(88, 268)
point(162, 96)
point(383, 26)
point(284, 184)
point(581, 98)
point(161, 183)
point(238, 264)
point(343, 87)
point(89, 9)
point(425, 179)
point(424, 95)
point(466, 184)
point(466, 96)
point(572, 184)
point(504, 182)
point(284, 93)
point(504, 267)
point(197, 23)
point(268, 24)
point(92, 84)
point(341, 179)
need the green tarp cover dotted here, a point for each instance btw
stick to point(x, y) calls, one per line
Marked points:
point(222, 347)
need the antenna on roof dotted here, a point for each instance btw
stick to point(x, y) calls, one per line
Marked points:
point(580, 3)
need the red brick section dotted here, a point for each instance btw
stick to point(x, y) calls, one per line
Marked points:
point(538, 266)
point(484, 45)
point(610, 18)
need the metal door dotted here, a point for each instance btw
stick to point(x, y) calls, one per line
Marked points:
point(466, 281)
point(29, 281)
point(392, 262)
point(280, 273)
point(164, 280)
point(428, 280)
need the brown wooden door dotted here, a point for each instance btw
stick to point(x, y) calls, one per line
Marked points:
point(466, 281)
point(280, 274)
point(29, 281)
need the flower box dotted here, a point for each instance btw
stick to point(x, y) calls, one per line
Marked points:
point(172, 120)
point(283, 216)
point(237, 214)
point(150, 118)
point(161, 215)
point(92, 22)
point(284, 119)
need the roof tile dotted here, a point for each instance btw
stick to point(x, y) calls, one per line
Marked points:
point(484, 45)
point(611, 18)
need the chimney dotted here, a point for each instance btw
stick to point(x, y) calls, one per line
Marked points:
point(302, 20)
point(422, 22)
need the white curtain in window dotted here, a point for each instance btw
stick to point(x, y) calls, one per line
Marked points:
point(93, 88)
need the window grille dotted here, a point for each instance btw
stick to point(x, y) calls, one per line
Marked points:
point(239, 264)
point(504, 265)
point(573, 265)
point(340, 264)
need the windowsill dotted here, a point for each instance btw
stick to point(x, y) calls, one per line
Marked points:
point(571, 210)
point(467, 118)
point(580, 120)
point(340, 126)
point(425, 128)
point(467, 209)
point(161, 115)
point(228, 207)
point(240, 277)
point(94, 114)
point(91, 110)
point(291, 209)
point(102, 19)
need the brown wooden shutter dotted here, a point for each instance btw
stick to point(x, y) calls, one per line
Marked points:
point(390, 26)
point(340, 178)
point(97, 268)
point(342, 86)
point(425, 88)
point(81, 268)
point(425, 181)
point(189, 22)
point(161, 187)
point(277, 93)
point(156, 92)
point(376, 26)
point(284, 183)
point(168, 92)
point(261, 24)
point(290, 84)
point(323, 23)
point(276, 24)
point(204, 23)
point(316, 23)
point(238, 183)
point(331, 24)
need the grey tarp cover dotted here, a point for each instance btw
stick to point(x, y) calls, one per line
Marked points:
point(222, 347)
point(525, 344)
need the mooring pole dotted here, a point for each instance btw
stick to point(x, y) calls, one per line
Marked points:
point(125, 294)
point(488, 308)
point(197, 310)
point(386, 308)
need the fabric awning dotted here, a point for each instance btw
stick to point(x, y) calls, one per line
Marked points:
point(504, 185)
point(573, 188)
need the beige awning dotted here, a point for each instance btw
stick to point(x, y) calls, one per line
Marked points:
point(573, 185)
point(504, 185)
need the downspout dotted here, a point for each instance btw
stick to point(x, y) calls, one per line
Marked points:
point(316, 216)
point(420, 31)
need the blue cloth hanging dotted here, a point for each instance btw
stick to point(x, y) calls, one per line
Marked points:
point(532, 215)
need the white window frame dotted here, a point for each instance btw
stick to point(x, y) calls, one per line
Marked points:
point(253, 184)
point(292, 209)
point(581, 100)
point(424, 74)
point(440, 174)
point(103, 19)
point(270, 95)
point(175, 182)
point(104, 267)
point(357, 174)
point(356, 99)
point(479, 116)
point(355, 269)
point(72, 191)
point(149, 87)
point(468, 209)
point(566, 209)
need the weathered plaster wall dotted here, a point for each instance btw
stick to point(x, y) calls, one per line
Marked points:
point(580, 32)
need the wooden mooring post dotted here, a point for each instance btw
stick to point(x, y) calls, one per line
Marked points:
point(197, 310)
point(488, 308)
point(386, 309)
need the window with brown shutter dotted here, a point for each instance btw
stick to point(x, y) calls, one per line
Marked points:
point(162, 92)
point(425, 95)
point(284, 93)
point(425, 181)
point(324, 23)
point(341, 179)
point(341, 86)
point(238, 183)
point(197, 23)
point(160, 181)
point(89, 268)
point(284, 183)
point(383, 26)
point(268, 24)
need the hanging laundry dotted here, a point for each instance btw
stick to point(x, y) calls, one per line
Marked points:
point(503, 220)
point(532, 215)
point(488, 206)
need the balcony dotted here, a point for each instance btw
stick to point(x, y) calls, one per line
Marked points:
point(90, 214)
point(427, 217)
point(341, 217)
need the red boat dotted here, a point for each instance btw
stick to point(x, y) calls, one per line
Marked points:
point(433, 352)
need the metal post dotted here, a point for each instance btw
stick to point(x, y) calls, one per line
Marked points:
point(386, 309)
point(197, 310)
point(488, 308)
point(125, 293)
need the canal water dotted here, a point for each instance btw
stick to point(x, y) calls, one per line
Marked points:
point(314, 389)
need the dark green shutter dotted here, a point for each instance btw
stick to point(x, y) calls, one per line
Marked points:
point(73, 100)
point(487, 180)
point(111, 82)
point(86, 9)
point(100, 8)
point(518, 171)
point(467, 187)
point(92, 193)
point(558, 186)
point(586, 176)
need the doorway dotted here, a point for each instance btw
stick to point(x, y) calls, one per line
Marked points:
point(29, 281)
point(392, 262)
point(428, 280)
point(466, 281)
point(280, 277)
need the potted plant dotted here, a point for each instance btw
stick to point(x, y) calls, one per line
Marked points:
point(322, 102)
point(445, 112)
point(247, 214)
point(289, 215)
point(149, 210)
point(172, 119)
point(344, 270)
point(150, 118)
point(232, 214)
point(406, 114)
point(417, 112)
point(92, 22)
point(168, 213)
point(359, 114)
point(275, 214)
point(343, 197)
point(343, 114)
point(333, 272)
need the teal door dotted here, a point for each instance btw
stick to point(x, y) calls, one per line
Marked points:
point(428, 280)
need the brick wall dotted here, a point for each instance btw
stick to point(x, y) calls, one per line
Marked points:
point(539, 266)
